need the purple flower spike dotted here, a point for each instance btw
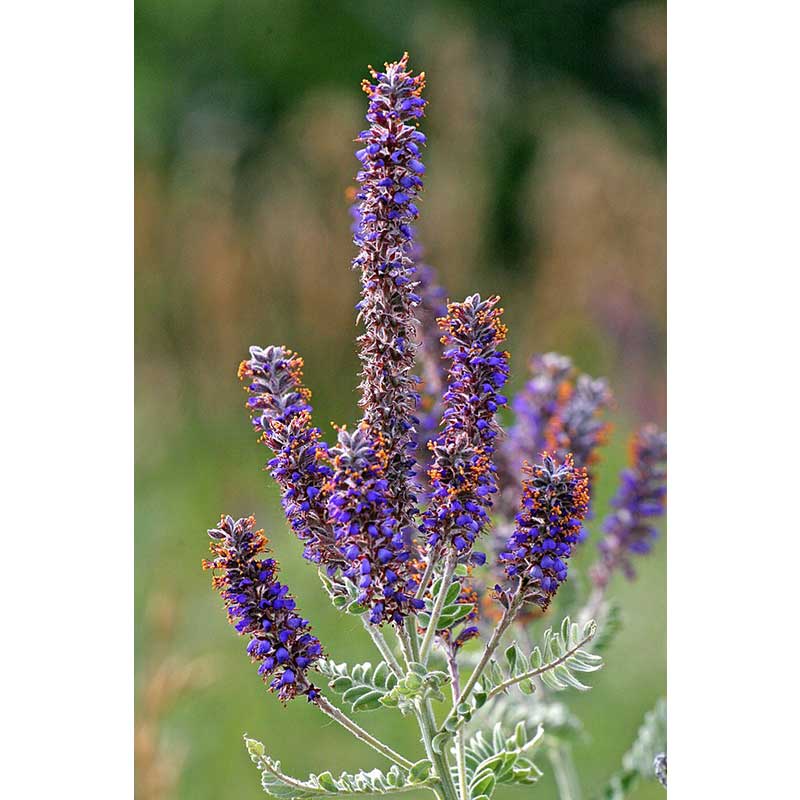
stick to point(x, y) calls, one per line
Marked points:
point(462, 474)
point(555, 499)
point(281, 413)
point(367, 531)
point(641, 498)
point(259, 606)
point(389, 184)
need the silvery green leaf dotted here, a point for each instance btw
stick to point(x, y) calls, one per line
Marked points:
point(361, 687)
point(365, 784)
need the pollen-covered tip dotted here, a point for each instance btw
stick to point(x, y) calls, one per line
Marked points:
point(555, 499)
point(389, 152)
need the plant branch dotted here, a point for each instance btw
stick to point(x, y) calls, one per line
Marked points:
point(501, 687)
point(334, 713)
point(509, 615)
point(438, 605)
point(461, 764)
point(427, 724)
point(564, 771)
point(380, 642)
point(428, 574)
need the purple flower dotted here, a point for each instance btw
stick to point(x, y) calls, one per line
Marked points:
point(367, 531)
point(260, 607)
point(462, 473)
point(641, 498)
point(280, 411)
point(555, 499)
point(389, 184)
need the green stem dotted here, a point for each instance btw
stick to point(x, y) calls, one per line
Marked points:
point(509, 614)
point(335, 714)
point(563, 765)
point(413, 638)
point(461, 763)
point(438, 605)
point(507, 684)
point(427, 726)
point(427, 575)
point(380, 642)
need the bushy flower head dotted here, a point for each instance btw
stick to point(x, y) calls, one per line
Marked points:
point(555, 499)
point(367, 532)
point(260, 607)
point(462, 473)
point(641, 499)
point(389, 182)
point(281, 412)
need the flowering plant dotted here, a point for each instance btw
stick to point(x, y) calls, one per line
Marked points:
point(394, 512)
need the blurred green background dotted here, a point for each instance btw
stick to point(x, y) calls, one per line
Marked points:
point(545, 183)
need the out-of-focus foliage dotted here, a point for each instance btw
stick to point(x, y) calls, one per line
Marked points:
point(545, 184)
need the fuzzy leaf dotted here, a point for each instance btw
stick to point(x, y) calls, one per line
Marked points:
point(555, 662)
point(361, 687)
point(364, 784)
point(492, 757)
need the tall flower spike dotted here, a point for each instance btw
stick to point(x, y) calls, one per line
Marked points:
point(462, 473)
point(367, 532)
point(280, 412)
point(555, 499)
point(260, 607)
point(390, 181)
point(641, 498)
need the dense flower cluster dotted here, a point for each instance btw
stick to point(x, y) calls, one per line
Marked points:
point(281, 413)
point(555, 499)
point(260, 606)
point(390, 181)
point(367, 532)
point(640, 499)
point(462, 474)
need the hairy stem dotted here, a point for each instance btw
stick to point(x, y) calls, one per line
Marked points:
point(461, 764)
point(409, 641)
point(428, 574)
point(413, 639)
point(427, 725)
point(438, 605)
point(593, 605)
point(335, 714)
point(509, 615)
point(501, 687)
point(380, 642)
point(560, 756)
